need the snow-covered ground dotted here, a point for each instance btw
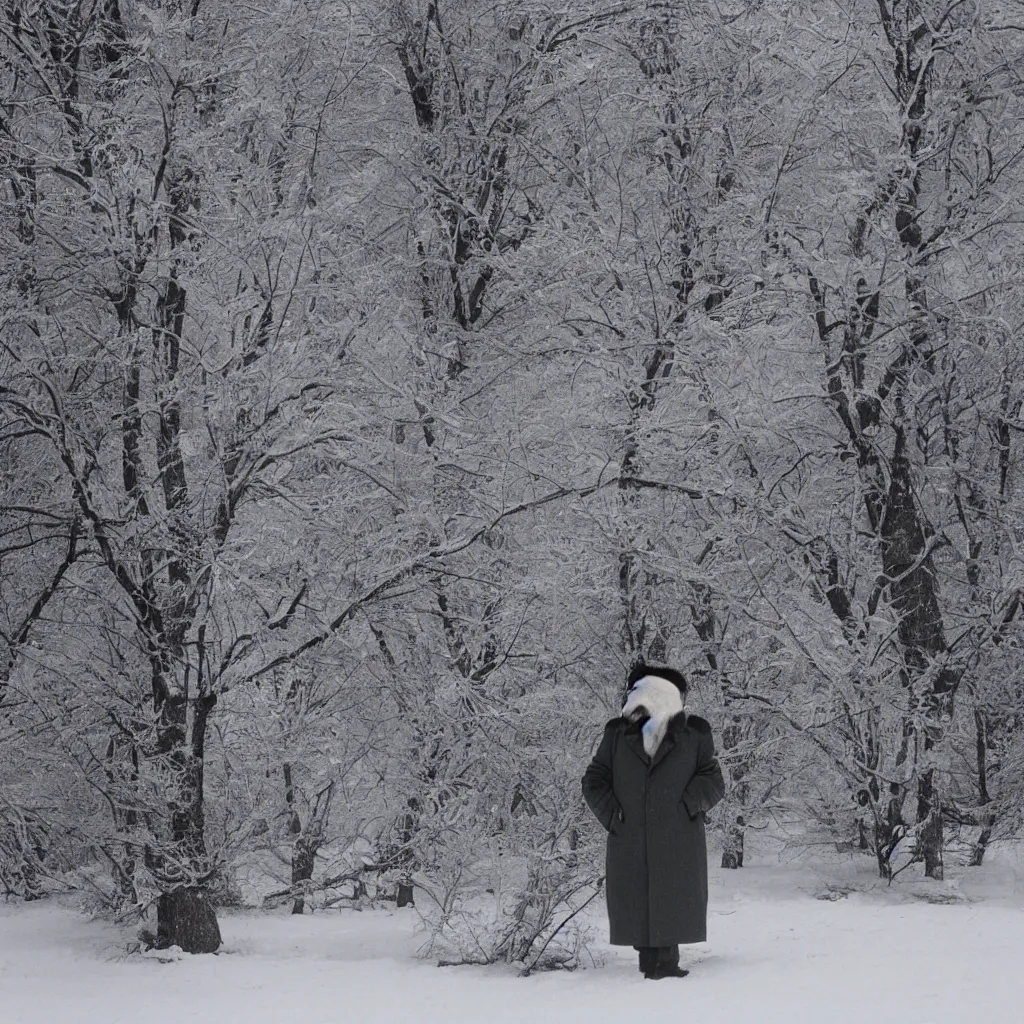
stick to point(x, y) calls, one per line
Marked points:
point(783, 947)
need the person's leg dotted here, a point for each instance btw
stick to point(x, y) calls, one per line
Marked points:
point(648, 958)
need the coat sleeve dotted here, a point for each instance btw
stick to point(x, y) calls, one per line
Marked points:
point(707, 786)
point(597, 783)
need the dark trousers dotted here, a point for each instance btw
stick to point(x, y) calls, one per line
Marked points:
point(657, 956)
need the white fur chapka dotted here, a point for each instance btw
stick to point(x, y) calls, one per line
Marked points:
point(661, 700)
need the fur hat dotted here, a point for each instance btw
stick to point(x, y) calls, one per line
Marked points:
point(653, 701)
point(641, 669)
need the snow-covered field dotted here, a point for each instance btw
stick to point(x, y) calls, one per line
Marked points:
point(783, 947)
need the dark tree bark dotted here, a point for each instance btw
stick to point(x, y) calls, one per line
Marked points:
point(907, 563)
point(306, 839)
point(732, 844)
point(981, 734)
point(303, 862)
point(706, 624)
point(186, 918)
point(404, 895)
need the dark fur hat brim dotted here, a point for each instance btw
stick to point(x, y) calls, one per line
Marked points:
point(641, 669)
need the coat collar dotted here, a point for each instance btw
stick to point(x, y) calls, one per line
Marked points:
point(634, 738)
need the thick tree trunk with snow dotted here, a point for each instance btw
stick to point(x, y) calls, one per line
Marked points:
point(907, 561)
point(303, 861)
point(186, 918)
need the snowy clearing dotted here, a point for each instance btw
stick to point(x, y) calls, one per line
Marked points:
point(787, 945)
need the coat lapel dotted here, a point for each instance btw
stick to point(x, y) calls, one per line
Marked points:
point(667, 743)
point(635, 741)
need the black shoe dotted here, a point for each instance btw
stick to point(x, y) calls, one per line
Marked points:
point(666, 972)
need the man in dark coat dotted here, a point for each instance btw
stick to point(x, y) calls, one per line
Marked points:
point(650, 783)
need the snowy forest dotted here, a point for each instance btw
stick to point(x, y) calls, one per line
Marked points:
point(380, 380)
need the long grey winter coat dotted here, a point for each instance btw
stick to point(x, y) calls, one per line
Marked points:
point(657, 866)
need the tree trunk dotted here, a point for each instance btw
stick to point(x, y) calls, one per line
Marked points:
point(980, 845)
point(303, 860)
point(894, 514)
point(914, 594)
point(988, 820)
point(186, 918)
point(404, 896)
point(889, 829)
point(732, 846)
point(929, 816)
